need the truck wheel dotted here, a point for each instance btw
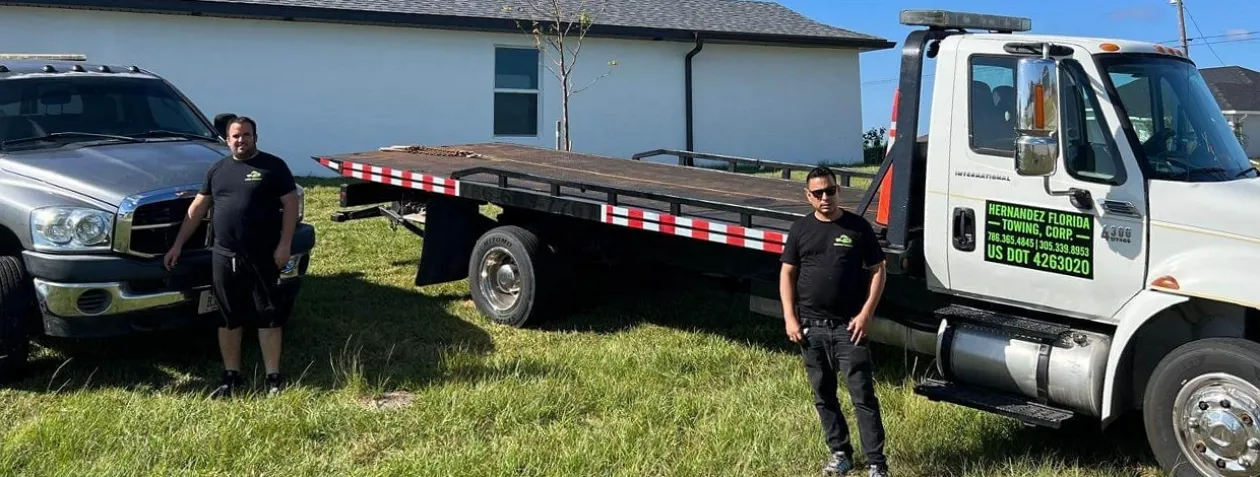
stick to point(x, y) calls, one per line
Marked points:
point(1202, 409)
point(504, 275)
point(15, 308)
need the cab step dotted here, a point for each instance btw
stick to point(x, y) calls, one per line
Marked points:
point(1011, 325)
point(1024, 409)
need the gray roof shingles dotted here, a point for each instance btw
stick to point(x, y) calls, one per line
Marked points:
point(1235, 88)
point(753, 18)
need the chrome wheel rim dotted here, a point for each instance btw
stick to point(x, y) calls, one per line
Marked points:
point(500, 279)
point(1215, 420)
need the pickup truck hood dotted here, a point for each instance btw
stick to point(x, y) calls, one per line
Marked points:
point(109, 173)
point(1231, 207)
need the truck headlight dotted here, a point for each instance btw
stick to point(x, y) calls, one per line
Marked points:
point(71, 229)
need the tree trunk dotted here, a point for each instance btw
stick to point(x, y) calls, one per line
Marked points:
point(565, 141)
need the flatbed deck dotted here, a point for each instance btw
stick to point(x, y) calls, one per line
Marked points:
point(624, 187)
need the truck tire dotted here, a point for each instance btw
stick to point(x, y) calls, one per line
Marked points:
point(16, 302)
point(506, 275)
point(1202, 409)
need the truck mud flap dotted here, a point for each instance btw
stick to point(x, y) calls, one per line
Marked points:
point(452, 226)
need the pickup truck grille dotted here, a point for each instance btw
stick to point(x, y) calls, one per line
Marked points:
point(155, 226)
point(148, 223)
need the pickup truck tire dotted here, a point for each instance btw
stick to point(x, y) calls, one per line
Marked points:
point(507, 275)
point(16, 305)
point(1202, 408)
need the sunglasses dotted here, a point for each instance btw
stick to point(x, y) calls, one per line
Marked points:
point(818, 193)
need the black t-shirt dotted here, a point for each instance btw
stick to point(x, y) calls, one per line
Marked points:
point(832, 259)
point(248, 215)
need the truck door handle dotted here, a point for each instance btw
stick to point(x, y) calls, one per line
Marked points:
point(964, 229)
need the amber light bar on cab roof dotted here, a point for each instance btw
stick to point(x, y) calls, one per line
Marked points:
point(965, 20)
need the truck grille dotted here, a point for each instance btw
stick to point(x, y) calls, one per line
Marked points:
point(148, 223)
point(155, 226)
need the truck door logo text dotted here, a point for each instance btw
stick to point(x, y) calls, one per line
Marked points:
point(1047, 240)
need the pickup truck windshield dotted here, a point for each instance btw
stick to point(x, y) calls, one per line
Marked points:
point(50, 111)
point(1184, 136)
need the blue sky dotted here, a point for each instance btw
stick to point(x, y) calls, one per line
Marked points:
point(1230, 31)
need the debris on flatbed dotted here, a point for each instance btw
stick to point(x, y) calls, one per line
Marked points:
point(431, 151)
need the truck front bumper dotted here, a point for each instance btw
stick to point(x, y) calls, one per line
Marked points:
point(85, 296)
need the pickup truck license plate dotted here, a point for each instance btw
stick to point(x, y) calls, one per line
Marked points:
point(207, 302)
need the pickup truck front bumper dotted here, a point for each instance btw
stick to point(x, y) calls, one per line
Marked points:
point(88, 296)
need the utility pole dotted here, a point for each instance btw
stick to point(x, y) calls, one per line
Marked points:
point(1181, 22)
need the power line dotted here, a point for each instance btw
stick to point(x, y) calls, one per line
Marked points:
point(1222, 42)
point(1227, 35)
point(929, 75)
point(1196, 27)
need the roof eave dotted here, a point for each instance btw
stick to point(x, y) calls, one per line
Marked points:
point(449, 22)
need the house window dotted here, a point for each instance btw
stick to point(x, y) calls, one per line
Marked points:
point(515, 92)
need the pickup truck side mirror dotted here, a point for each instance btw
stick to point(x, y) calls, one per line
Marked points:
point(1037, 117)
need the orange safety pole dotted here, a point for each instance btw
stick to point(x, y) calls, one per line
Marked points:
point(885, 186)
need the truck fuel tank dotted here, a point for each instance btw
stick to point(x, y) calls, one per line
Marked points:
point(1049, 362)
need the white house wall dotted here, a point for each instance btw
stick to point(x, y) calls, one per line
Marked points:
point(787, 104)
point(1251, 129)
point(328, 88)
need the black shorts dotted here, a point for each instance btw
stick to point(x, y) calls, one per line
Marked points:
point(247, 292)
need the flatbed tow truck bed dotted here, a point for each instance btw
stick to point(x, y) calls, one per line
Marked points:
point(708, 204)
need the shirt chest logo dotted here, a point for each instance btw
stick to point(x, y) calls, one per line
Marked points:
point(253, 176)
point(842, 241)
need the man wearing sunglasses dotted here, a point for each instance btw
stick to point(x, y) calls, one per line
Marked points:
point(830, 282)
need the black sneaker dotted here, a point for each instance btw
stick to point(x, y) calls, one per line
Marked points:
point(275, 383)
point(231, 381)
point(879, 471)
point(839, 465)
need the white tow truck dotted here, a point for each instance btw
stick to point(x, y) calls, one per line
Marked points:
point(1084, 229)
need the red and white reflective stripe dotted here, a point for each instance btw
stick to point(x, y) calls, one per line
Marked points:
point(712, 231)
point(398, 177)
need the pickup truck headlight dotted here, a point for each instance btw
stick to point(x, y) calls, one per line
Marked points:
point(71, 229)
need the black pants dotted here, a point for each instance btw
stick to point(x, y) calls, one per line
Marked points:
point(245, 287)
point(828, 351)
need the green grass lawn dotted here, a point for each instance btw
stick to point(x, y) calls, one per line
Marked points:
point(655, 378)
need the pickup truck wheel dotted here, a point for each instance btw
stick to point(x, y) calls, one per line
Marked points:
point(1201, 409)
point(16, 302)
point(504, 274)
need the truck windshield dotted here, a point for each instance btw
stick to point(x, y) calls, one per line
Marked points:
point(43, 111)
point(1184, 136)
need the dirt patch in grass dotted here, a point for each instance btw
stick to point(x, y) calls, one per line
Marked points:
point(388, 401)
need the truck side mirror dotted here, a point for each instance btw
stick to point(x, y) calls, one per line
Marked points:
point(1037, 117)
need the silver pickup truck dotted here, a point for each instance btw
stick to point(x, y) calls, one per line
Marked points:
point(98, 164)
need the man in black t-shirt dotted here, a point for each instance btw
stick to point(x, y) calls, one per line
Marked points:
point(830, 282)
point(255, 214)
